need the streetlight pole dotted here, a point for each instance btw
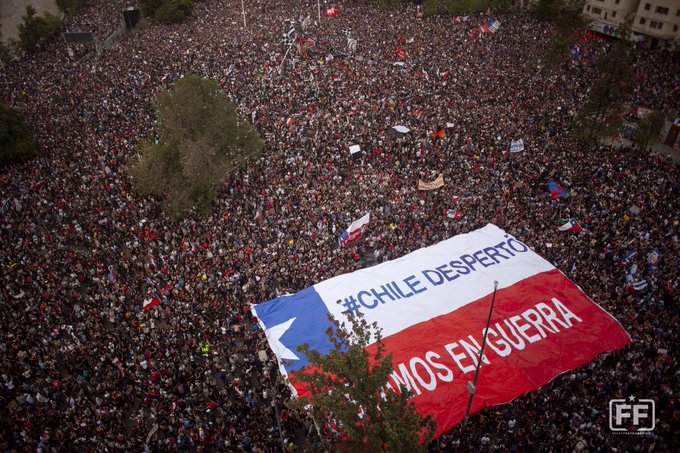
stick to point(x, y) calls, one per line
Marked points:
point(243, 11)
point(318, 6)
point(472, 386)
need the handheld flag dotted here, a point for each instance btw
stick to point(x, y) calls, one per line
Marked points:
point(629, 256)
point(517, 145)
point(557, 191)
point(633, 279)
point(491, 27)
point(571, 225)
point(399, 131)
point(150, 303)
point(454, 214)
point(353, 231)
point(438, 134)
point(355, 150)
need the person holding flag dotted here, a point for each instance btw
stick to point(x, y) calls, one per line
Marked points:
point(354, 230)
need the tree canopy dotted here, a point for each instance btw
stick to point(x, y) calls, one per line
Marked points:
point(431, 7)
point(69, 7)
point(16, 140)
point(613, 81)
point(649, 128)
point(34, 29)
point(200, 141)
point(568, 25)
point(6, 56)
point(348, 389)
point(167, 11)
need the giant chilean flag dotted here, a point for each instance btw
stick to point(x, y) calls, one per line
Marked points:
point(432, 306)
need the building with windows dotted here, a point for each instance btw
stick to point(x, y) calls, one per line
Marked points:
point(654, 22)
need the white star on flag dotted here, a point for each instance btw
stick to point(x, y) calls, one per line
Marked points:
point(275, 333)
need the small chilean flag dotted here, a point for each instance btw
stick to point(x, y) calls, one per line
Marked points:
point(150, 303)
point(353, 232)
point(454, 214)
point(571, 225)
point(331, 12)
point(491, 27)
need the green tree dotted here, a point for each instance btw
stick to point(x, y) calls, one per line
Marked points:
point(649, 128)
point(16, 141)
point(201, 140)
point(348, 386)
point(166, 11)
point(174, 11)
point(606, 95)
point(35, 29)
point(568, 24)
point(559, 47)
point(431, 7)
point(69, 7)
point(5, 52)
point(546, 10)
point(149, 7)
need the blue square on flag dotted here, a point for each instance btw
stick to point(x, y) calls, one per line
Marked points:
point(291, 321)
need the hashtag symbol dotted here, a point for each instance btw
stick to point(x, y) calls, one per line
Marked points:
point(351, 305)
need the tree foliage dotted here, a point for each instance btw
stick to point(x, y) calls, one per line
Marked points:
point(174, 11)
point(568, 24)
point(16, 140)
point(149, 7)
point(167, 11)
point(432, 7)
point(649, 128)
point(6, 56)
point(613, 79)
point(348, 386)
point(69, 7)
point(34, 29)
point(389, 4)
point(201, 140)
point(557, 10)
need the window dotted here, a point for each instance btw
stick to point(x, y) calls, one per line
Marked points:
point(596, 11)
point(675, 28)
point(656, 25)
point(588, 8)
point(661, 10)
point(647, 6)
point(643, 21)
point(617, 1)
point(613, 14)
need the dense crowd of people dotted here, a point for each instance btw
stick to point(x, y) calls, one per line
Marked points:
point(83, 367)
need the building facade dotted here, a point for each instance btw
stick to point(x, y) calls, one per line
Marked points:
point(653, 22)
